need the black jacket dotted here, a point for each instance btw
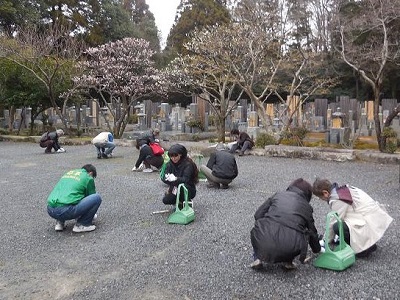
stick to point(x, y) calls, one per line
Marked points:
point(284, 226)
point(223, 165)
point(243, 136)
point(185, 171)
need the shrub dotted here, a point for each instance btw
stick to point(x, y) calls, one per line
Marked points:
point(391, 139)
point(264, 139)
point(294, 136)
point(391, 147)
point(195, 123)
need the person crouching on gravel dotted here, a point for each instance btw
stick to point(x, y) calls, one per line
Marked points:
point(49, 140)
point(364, 219)
point(221, 168)
point(146, 161)
point(74, 197)
point(180, 169)
point(284, 227)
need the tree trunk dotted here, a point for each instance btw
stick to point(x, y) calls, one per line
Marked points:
point(260, 111)
point(11, 119)
point(378, 130)
point(220, 128)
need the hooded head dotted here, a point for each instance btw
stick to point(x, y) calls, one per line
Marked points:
point(177, 149)
point(60, 132)
point(220, 147)
point(304, 186)
point(140, 142)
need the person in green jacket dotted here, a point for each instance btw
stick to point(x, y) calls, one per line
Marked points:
point(75, 197)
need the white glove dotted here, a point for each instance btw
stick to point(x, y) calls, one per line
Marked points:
point(322, 250)
point(322, 243)
point(170, 177)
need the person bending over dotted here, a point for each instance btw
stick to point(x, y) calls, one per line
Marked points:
point(364, 219)
point(104, 143)
point(180, 169)
point(284, 227)
point(49, 140)
point(74, 197)
point(146, 158)
point(221, 168)
point(243, 142)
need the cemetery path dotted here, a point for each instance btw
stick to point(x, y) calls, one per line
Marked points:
point(136, 255)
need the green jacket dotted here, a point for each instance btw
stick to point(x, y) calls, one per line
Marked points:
point(72, 188)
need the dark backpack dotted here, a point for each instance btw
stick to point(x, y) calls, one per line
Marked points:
point(44, 137)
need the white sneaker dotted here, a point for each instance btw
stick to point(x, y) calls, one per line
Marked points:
point(154, 168)
point(60, 151)
point(256, 265)
point(149, 170)
point(81, 228)
point(59, 226)
point(141, 167)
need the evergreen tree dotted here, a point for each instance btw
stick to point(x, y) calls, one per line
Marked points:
point(194, 15)
point(17, 13)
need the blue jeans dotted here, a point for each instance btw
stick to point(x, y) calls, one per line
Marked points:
point(108, 146)
point(83, 212)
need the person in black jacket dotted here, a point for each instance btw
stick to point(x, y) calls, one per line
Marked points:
point(180, 169)
point(49, 140)
point(243, 142)
point(221, 168)
point(284, 226)
point(147, 158)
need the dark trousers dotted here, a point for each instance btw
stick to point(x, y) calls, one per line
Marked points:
point(155, 161)
point(346, 231)
point(170, 198)
point(49, 144)
point(346, 236)
point(245, 146)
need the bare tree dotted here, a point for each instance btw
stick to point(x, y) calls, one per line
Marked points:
point(368, 38)
point(272, 55)
point(49, 55)
point(204, 70)
point(302, 75)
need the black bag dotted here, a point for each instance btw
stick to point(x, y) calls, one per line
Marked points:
point(44, 137)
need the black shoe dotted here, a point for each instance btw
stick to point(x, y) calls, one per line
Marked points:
point(224, 186)
point(104, 155)
point(241, 153)
point(98, 156)
point(367, 252)
point(213, 185)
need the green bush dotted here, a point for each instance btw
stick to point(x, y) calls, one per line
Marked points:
point(389, 132)
point(264, 139)
point(391, 147)
point(294, 136)
point(4, 131)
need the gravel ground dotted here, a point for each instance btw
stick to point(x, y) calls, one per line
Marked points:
point(136, 255)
